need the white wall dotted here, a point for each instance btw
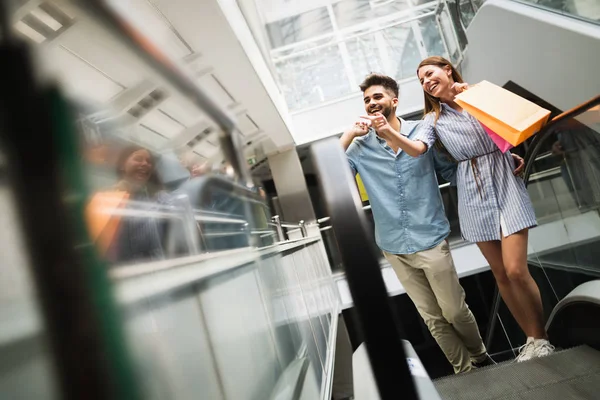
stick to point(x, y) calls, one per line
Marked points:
point(550, 55)
point(290, 184)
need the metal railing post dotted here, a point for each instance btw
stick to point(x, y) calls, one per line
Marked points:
point(302, 226)
point(277, 221)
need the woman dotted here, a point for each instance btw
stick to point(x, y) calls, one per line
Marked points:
point(138, 238)
point(493, 205)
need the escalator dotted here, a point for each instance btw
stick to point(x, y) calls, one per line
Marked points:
point(567, 374)
point(231, 313)
point(573, 372)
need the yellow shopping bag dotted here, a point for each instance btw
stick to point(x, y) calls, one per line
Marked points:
point(507, 114)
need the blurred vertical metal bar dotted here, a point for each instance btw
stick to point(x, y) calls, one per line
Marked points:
point(382, 331)
point(277, 222)
point(73, 327)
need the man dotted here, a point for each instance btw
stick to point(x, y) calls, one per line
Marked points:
point(410, 223)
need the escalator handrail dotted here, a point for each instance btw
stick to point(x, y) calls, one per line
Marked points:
point(380, 329)
point(200, 190)
point(547, 130)
point(208, 183)
point(575, 111)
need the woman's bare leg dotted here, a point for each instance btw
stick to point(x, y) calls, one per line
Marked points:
point(514, 255)
point(492, 251)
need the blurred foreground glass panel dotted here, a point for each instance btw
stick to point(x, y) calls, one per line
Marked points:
point(172, 270)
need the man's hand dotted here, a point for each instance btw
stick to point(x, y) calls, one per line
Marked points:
point(395, 140)
point(379, 123)
point(360, 128)
point(520, 164)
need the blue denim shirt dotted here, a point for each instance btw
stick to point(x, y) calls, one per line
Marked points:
point(403, 191)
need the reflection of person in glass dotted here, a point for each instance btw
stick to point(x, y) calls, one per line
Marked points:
point(493, 204)
point(579, 150)
point(411, 226)
point(135, 168)
point(138, 238)
point(189, 161)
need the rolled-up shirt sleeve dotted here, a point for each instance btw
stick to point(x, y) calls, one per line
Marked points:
point(353, 154)
point(426, 132)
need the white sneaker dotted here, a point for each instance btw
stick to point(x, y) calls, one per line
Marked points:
point(542, 348)
point(527, 351)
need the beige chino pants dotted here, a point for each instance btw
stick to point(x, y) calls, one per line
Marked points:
point(430, 280)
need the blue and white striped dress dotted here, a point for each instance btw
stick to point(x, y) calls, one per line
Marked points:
point(491, 200)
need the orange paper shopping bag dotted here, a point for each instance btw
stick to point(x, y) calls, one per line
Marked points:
point(102, 223)
point(508, 115)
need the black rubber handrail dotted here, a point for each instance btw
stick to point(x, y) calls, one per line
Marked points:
point(381, 330)
point(548, 129)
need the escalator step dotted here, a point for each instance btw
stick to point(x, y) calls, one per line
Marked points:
point(572, 374)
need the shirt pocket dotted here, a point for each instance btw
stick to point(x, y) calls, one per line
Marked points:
point(417, 166)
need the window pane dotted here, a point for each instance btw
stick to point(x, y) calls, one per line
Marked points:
point(432, 37)
point(478, 3)
point(401, 43)
point(352, 12)
point(408, 59)
point(313, 77)
point(299, 27)
point(467, 12)
point(364, 56)
point(421, 2)
point(447, 29)
point(393, 52)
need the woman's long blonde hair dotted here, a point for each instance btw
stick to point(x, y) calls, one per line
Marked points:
point(433, 103)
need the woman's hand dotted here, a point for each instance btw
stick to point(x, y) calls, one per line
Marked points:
point(520, 164)
point(459, 87)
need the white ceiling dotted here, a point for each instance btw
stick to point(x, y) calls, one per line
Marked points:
point(94, 66)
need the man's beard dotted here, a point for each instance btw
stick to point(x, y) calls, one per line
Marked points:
point(386, 112)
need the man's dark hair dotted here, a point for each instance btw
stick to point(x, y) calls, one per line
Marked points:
point(380, 80)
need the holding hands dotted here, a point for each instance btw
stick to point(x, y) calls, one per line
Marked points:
point(361, 127)
point(379, 123)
